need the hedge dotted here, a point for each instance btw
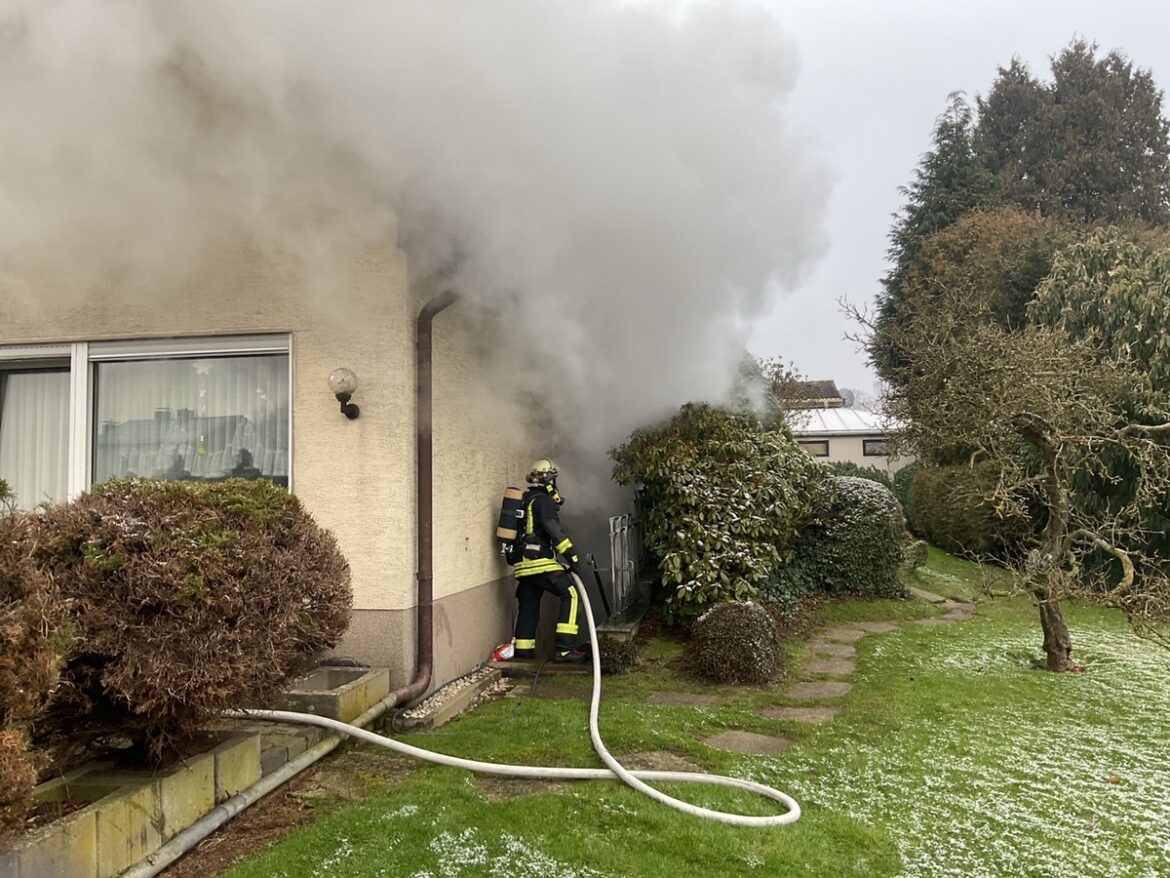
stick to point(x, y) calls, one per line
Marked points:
point(949, 508)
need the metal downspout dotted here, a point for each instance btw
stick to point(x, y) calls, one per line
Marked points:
point(425, 661)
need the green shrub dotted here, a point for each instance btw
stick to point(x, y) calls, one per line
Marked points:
point(187, 598)
point(734, 642)
point(34, 634)
point(950, 508)
point(901, 488)
point(723, 499)
point(849, 468)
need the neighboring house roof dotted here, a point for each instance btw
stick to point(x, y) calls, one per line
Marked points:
point(840, 422)
point(808, 394)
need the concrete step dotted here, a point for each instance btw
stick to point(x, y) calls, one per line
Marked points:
point(624, 626)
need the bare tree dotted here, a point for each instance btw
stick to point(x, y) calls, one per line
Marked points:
point(1078, 445)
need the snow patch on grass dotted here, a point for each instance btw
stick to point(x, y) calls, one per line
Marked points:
point(1075, 785)
point(468, 852)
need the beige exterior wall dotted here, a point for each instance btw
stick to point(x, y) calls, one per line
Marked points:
point(851, 449)
point(356, 477)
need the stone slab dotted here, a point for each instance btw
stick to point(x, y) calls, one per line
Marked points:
point(272, 759)
point(624, 626)
point(930, 623)
point(658, 760)
point(813, 715)
point(529, 668)
point(876, 627)
point(829, 647)
point(842, 635)
point(834, 667)
point(815, 691)
point(747, 742)
point(924, 595)
point(237, 765)
point(689, 699)
point(66, 847)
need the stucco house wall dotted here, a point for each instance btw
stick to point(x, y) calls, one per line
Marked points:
point(356, 477)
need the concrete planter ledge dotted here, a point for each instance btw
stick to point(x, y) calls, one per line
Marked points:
point(128, 815)
point(338, 693)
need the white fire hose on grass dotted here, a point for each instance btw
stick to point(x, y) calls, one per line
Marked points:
point(635, 779)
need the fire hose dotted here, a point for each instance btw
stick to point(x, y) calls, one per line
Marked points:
point(634, 779)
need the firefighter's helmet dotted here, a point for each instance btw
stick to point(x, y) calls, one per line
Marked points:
point(543, 472)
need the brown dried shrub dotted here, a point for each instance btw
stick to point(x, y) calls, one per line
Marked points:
point(33, 637)
point(17, 779)
point(188, 598)
point(734, 642)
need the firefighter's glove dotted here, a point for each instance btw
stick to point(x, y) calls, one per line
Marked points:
point(574, 562)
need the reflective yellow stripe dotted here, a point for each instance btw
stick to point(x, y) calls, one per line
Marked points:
point(570, 627)
point(531, 529)
point(525, 644)
point(532, 566)
point(564, 545)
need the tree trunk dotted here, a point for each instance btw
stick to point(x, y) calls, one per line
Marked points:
point(1057, 644)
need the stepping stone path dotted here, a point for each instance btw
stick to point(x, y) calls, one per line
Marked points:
point(747, 742)
point(843, 635)
point(818, 690)
point(833, 667)
point(813, 715)
point(828, 647)
point(831, 654)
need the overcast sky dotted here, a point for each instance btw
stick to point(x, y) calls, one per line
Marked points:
point(874, 76)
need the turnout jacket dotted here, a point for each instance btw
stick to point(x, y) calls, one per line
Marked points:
point(543, 538)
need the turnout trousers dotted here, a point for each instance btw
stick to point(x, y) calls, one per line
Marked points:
point(528, 593)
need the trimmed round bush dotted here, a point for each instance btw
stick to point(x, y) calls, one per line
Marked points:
point(188, 598)
point(617, 656)
point(849, 468)
point(734, 642)
point(860, 544)
point(856, 549)
point(33, 637)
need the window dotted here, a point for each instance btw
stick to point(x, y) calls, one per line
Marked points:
point(192, 418)
point(875, 447)
point(72, 415)
point(34, 432)
point(817, 448)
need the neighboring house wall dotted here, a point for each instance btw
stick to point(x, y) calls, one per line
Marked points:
point(852, 449)
point(356, 477)
point(839, 434)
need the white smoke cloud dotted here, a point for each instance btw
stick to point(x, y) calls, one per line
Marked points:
point(618, 182)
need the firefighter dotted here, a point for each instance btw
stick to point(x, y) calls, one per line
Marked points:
point(546, 554)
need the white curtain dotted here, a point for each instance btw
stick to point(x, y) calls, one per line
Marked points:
point(206, 418)
point(34, 434)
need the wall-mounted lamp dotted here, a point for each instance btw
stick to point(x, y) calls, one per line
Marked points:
point(343, 383)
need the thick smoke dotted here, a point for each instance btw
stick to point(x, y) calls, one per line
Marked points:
point(616, 183)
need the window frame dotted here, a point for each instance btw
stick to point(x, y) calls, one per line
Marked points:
point(809, 444)
point(865, 445)
point(82, 355)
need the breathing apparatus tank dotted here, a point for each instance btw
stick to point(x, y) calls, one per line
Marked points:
point(511, 525)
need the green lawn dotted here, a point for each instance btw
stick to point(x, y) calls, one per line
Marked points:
point(952, 757)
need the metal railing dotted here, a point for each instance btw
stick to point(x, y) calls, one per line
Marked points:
point(624, 553)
